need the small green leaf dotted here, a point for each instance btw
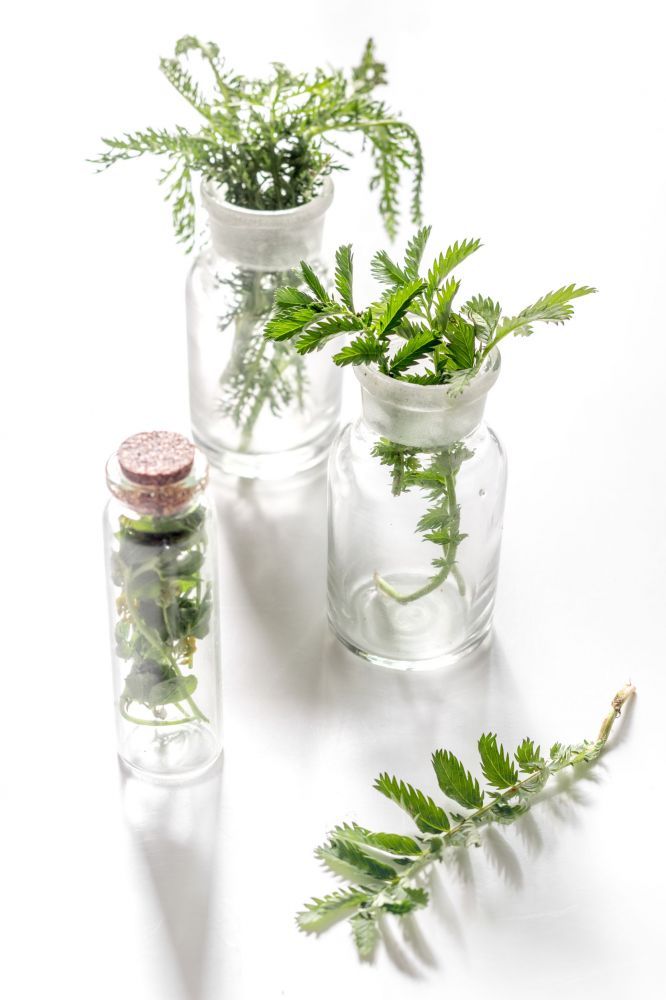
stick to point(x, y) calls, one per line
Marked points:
point(365, 933)
point(428, 816)
point(455, 781)
point(496, 763)
point(173, 690)
point(386, 271)
point(362, 351)
point(528, 756)
point(319, 914)
point(414, 253)
point(345, 858)
point(395, 306)
point(315, 284)
point(391, 843)
point(413, 350)
point(344, 275)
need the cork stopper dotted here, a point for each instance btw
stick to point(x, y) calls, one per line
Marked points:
point(157, 472)
point(156, 458)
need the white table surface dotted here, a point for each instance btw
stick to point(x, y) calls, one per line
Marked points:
point(113, 887)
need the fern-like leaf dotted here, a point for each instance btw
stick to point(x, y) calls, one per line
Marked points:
point(429, 817)
point(455, 781)
point(321, 913)
point(414, 252)
point(344, 275)
point(496, 763)
point(361, 351)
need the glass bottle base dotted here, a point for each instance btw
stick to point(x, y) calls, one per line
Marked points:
point(430, 632)
point(186, 752)
point(268, 465)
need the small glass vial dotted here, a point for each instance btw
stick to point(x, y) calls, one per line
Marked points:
point(159, 537)
point(416, 500)
point(258, 408)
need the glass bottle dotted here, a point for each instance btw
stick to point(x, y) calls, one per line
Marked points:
point(416, 499)
point(159, 535)
point(258, 408)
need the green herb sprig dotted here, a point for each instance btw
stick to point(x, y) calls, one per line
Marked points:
point(164, 607)
point(411, 332)
point(270, 142)
point(385, 870)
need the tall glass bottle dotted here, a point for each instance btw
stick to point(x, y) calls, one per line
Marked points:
point(159, 537)
point(258, 408)
point(416, 499)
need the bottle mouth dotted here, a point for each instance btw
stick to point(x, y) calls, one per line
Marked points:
point(158, 473)
point(226, 212)
point(425, 416)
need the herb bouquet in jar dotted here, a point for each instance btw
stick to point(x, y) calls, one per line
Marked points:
point(264, 153)
point(417, 483)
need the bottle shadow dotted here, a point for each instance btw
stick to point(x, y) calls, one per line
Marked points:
point(274, 535)
point(174, 831)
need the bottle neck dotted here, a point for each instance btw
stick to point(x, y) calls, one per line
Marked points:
point(266, 241)
point(424, 416)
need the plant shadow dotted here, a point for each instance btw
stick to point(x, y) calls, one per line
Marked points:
point(174, 829)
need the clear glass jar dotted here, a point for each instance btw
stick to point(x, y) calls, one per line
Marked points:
point(258, 408)
point(416, 499)
point(159, 535)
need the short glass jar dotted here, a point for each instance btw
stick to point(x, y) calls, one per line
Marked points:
point(258, 408)
point(160, 550)
point(416, 499)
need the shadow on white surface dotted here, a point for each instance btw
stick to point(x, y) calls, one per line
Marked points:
point(175, 833)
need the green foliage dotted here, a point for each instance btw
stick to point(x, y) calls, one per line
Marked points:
point(496, 763)
point(411, 332)
point(164, 607)
point(383, 882)
point(270, 142)
point(259, 375)
point(455, 781)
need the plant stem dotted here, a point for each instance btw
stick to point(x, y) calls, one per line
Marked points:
point(450, 551)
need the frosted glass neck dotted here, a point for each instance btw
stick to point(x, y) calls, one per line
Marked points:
point(266, 241)
point(424, 416)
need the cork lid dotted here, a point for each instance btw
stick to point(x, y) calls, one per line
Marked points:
point(156, 457)
point(157, 472)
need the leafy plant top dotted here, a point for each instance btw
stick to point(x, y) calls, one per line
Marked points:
point(385, 870)
point(270, 142)
point(411, 332)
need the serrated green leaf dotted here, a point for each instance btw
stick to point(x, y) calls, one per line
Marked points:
point(319, 333)
point(496, 763)
point(365, 932)
point(361, 351)
point(391, 843)
point(414, 252)
point(344, 275)
point(461, 344)
point(553, 307)
point(346, 858)
point(528, 756)
point(394, 307)
point(484, 314)
point(319, 914)
point(446, 262)
point(455, 781)
point(387, 271)
point(428, 816)
point(411, 351)
point(314, 283)
point(290, 296)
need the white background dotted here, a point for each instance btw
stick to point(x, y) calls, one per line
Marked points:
point(543, 127)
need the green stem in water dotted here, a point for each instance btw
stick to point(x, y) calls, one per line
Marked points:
point(450, 551)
